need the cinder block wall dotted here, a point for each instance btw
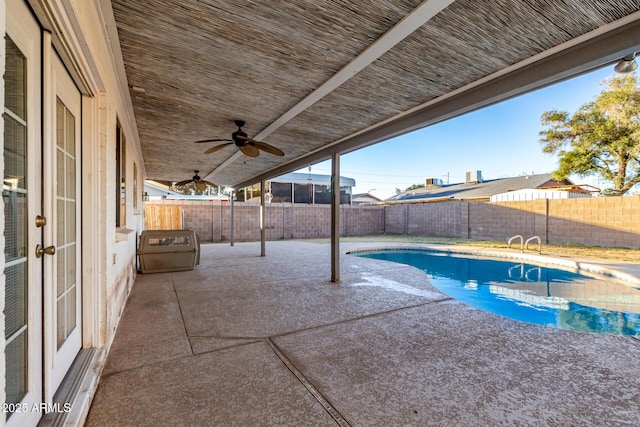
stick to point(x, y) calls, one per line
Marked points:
point(309, 221)
point(247, 222)
point(275, 222)
point(434, 219)
point(362, 220)
point(605, 221)
point(500, 221)
point(395, 219)
point(212, 220)
point(602, 221)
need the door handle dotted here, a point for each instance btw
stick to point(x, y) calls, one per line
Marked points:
point(49, 250)
point(40, 221)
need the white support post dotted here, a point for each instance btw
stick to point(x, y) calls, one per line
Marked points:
point(263, 231)
point(232, 226)
point(335, 217)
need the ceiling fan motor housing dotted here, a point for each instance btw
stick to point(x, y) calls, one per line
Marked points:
point(239, 142)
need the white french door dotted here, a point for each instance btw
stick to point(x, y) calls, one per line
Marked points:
point(41, 195)
point(22, 195)
point(61, 193)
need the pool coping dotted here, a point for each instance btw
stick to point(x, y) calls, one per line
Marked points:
point(534, 258)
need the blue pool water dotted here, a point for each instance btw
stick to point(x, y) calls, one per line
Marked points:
point(526, 292)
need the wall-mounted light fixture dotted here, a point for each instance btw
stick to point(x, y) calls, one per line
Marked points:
point(627, 64)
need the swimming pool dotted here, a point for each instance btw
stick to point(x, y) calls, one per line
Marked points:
point(530, 293)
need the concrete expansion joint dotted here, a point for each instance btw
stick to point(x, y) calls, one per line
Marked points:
point(311, 388)
point(143, 365)
point(445, 298)
point(223, 337)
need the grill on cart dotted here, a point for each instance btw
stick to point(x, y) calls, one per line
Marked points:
point(168, 250)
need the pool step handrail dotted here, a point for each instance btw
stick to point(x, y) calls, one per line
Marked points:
point(537, 270)
point(517, 236)
point(530, 239)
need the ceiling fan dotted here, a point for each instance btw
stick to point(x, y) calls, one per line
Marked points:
point(197, 181)
point(247, 145)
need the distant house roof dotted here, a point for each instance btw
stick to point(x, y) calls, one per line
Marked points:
point(305, 178)
point(480, 190)
point(154, 188)
point(357, 199)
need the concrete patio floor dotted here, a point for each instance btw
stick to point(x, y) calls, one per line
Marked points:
point(257, 341)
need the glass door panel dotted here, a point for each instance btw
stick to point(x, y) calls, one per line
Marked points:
point(22, 200)
point(62, 296)
point(66, 224)
point(14, 195)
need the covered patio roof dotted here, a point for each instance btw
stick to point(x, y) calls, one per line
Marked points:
point(315, 78)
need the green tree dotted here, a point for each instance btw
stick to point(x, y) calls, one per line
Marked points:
point(190, 189)
point(414, 187)
point(602, 138)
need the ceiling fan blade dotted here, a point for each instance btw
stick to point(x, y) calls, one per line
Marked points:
point(262, 145)
point(268, 148)
point(217, 147)
point(181, 183)
point(250, 150)
point(201, 185)
point(213, 140)
point(210, 184)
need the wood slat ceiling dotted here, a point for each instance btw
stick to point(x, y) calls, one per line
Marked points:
point(196, 65)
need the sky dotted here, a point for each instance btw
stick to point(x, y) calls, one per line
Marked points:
point(501, 141)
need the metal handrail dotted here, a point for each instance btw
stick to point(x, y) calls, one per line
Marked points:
point(534, 269)
point(526, 244)
point(515, 267)
point(517, 236)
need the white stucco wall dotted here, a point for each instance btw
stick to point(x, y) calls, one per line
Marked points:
point(117, 247)
point(108, 253)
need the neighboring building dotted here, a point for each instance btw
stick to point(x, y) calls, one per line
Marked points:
point(533, 194)
point(526, 187)
point(154, 190)
point(364, 198)
point(299, 188)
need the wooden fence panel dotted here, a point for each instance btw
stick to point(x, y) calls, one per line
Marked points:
point(159, 217)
